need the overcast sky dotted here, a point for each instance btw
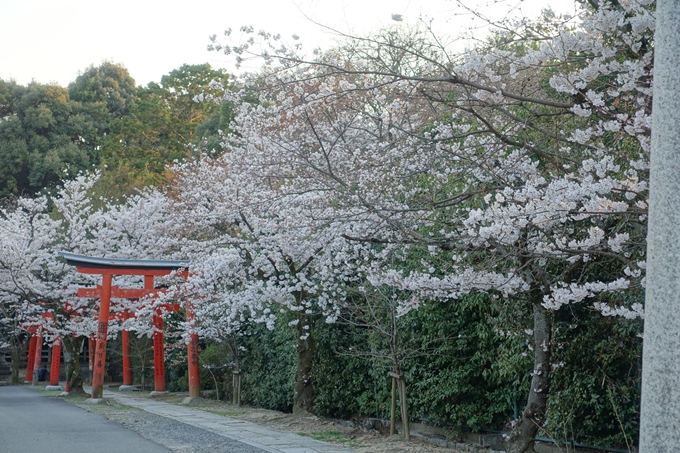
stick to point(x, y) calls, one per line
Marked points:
point(52, 40)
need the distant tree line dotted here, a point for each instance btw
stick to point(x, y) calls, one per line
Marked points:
point(103, 121)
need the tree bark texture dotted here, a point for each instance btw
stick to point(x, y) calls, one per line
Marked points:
point(393, 408)
point(303, 401)
point(17, 349)
point(534, 415)
point(72, 360)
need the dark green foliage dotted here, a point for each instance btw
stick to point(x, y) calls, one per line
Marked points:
point(269, 363)
point(109, 84)
point(176, 365)
point(475, 366)
point(45, 136)
point(453, 382)
point(595, 395)
point(209, 130)
point(347, 385)
point(49, 133)
point(141, 356)
point(216, 368)
point(162, 124)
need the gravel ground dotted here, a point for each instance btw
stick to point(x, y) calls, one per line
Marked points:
point(172, 434)
point(186, 438)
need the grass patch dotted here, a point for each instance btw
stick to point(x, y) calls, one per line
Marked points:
point(50, 392)
point(112, 411)
point(334, 437)
point(219, 412)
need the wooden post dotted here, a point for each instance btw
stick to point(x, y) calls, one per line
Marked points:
point(102, 330)
point(404, 409)
point(236, 400)
point(31, 358)
point(401, 387)
point(56, 362)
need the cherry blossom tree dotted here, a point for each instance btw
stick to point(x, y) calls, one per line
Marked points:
point(36, 282)
point(36, 279)
point(15, 308)
point(253, 256)
point(524, 161)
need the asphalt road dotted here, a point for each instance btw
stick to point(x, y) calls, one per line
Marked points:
point(30, 422)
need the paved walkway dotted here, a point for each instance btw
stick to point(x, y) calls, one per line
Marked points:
point(30, 422)
point(267, 439)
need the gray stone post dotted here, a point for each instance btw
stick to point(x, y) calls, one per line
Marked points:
point(660, 413)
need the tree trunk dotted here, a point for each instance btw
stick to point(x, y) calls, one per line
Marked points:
point(74, 379)
point(399, 385)
point(232, 343)
point(525, 429)
point(393, 408)
point(17, 349)
point(303, 401)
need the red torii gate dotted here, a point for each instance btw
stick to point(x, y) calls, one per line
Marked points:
point(158, 338)
point(107, 268)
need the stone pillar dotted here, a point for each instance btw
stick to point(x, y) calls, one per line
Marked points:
point(660, 412)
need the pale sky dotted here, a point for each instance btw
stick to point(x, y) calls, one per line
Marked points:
point(52, 40)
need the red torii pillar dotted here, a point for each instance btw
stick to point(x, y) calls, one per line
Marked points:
point(102, 332)
point(91, 346)
point(158, 342)
point(107, 268)
point(127, 365)
point(37, 356)
point(30, 360)
point(194, 381)
point(158, 354)
point(55, 366)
